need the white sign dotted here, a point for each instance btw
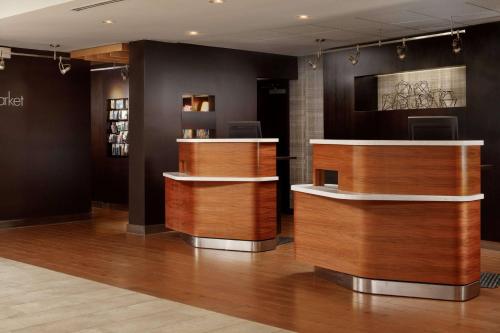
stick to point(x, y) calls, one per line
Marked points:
point(12, 101)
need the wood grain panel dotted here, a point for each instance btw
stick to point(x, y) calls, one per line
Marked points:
point(426, 242)
point(436, 170)
point(245, 211)
point(228, 159)
point(114, 53)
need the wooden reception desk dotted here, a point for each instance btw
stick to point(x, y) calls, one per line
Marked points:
point(403, 220)
point(224, 195)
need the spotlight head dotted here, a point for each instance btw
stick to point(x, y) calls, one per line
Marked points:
point(456, 44)
point(124, 73)
point(354, 58)
point(63, 68)
point(313, 65)
point(402, 50)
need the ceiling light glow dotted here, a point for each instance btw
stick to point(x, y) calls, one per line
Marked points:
point(303, 17)
point(193, 33)
point(108, 22)
point(216, 2)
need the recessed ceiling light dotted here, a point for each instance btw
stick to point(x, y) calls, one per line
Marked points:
point(217, 2)
point(303, 17)
point(193, 33)
point(108, 22)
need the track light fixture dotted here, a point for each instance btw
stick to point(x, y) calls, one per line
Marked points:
point(456, 44)
point(63, 68)
point(354, 58)
point(402, 50)
point(2, 61)
point(317, 57)
point(124, 73)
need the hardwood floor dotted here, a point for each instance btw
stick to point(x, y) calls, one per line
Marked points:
point(271, 287)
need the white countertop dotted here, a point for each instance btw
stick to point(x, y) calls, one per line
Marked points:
point(331, 191)
point(397, 142)
point(270, 140)
point(184, 177)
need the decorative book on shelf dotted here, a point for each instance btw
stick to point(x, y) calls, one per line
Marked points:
point(198, 116)
point(117, 132)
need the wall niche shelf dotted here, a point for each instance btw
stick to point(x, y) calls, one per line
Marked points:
point(198, 116)
point(117, 130)
point(437, 88)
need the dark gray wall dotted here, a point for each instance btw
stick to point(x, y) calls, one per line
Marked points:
point(160, 74)
point(109, 175)
point(45, 146)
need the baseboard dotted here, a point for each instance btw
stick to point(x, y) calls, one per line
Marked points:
point(145, 229)
point(109, 205)
point(490, 245)
point(34, 221)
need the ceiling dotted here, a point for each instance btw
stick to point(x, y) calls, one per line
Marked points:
point(256, 25)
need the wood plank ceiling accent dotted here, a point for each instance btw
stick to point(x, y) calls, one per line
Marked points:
point(114, 53)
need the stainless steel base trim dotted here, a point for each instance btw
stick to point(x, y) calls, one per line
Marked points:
point(231, 244)
point(398, 288)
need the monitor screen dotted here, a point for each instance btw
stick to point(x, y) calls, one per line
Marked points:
point(244, 130)
point(433, 128)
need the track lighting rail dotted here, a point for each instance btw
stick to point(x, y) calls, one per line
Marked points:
point(394, 41)
point(99, 69)
point(36, 55)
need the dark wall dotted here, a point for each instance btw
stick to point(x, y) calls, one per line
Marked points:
point(160, 74)
point(45, 145)
point(109, 175)
point(341, 121)
point(478, 121)
point(483, 116)
point(273, 112)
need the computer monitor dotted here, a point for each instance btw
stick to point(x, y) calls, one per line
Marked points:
point(433, 128)
point(244, 130)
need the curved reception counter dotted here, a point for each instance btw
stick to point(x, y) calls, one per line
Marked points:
point(403, 220)
point(224, 195)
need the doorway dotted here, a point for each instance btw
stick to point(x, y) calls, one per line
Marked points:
point(109, 137)
point(273, 108)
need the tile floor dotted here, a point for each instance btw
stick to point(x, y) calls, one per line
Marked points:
point(34, 299)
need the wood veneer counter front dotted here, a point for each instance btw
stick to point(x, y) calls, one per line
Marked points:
point(402, 211)
point(426, 242)
point(225, 189)
point(228, 157)
point(400, 167)
point(226, 210)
